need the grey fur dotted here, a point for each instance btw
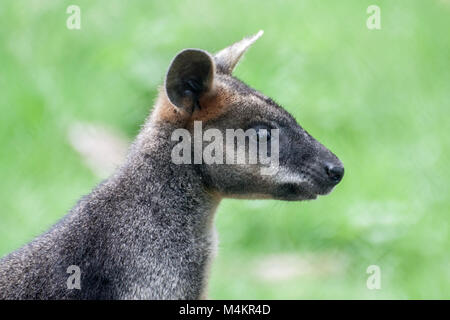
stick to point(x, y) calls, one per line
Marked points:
point(147, 232)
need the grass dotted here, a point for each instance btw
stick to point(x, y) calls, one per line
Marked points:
point(378, 98)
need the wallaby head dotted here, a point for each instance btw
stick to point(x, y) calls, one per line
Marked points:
point(199, 88)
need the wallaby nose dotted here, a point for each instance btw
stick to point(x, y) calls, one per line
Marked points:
point(334, 172)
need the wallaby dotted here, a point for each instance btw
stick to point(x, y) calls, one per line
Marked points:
point(148, 232)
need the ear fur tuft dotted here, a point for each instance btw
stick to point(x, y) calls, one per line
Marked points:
point(227, 59)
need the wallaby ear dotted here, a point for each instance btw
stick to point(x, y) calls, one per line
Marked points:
point(228, 58)
point(190, 75)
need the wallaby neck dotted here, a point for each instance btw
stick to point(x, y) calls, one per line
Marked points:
point(177, 193)
point(169, 218)
point(145, 233)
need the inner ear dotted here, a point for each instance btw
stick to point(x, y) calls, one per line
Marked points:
point(190, 75)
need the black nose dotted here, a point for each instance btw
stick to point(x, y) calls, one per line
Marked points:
point(334, 172)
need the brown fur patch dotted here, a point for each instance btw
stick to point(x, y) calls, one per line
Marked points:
point(165, 111)
point(212, 105)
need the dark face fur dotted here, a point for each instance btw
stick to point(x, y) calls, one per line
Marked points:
point(201, 87)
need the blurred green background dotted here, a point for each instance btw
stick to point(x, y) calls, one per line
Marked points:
point(379, 99)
